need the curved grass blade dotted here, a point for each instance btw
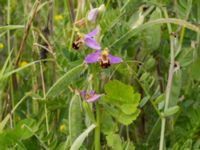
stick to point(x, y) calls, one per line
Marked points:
point(11, 27)
point(132, 32)
point(78, 142)
point(22, 68)
point(63, 81)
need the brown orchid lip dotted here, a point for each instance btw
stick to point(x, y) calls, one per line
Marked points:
point(77, 43)
point(104, 63)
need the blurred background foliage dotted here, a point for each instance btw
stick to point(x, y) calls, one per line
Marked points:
point(39, 108)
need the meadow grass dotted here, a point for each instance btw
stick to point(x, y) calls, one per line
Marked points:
point(100, 75)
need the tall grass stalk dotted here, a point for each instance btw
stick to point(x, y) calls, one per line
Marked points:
point(11, 102)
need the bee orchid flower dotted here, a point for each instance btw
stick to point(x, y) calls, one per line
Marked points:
point(87, 39)
point(90, 96)
point(103, 57)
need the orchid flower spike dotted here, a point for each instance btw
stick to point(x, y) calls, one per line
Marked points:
point(87, 39)
point(94, 12)
point(90, 96)
point(103, 57)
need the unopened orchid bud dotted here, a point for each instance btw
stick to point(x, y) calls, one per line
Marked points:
point(92, 15)
point(95, 12)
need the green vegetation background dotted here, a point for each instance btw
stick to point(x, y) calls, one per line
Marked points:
point(155, 88)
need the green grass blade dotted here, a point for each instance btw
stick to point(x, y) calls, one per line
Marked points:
point(79, 141)
point(63, 81)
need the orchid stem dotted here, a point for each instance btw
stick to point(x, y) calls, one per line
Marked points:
point(97, 129)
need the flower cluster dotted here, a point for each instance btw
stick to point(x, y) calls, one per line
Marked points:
point(102, 56)
point(99, 55)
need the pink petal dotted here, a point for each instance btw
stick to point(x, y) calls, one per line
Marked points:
point(92, 58)
point(92, 15)
point(93, 33)
point(94, 98)
point(91, 92)
point(114, 60)
point(90, 42)
point(82, 93)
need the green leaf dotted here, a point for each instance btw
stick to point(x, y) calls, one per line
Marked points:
point(175, 88)
point(187, 145)
point(119, 92)
point(78, 142)
point(124, 100)
point(185, 57)
point(128, 109)
point(20, 132)
point(195, 71)
point(66, 79)
point(153, 31)
point(121, 117)
point(129, 146)
point(159, 99)
point(144, 101)
point(171, 111)
point(108, 126)
point(196, 145)
point(128, 119)
point(75, 118)
point(114, 141)
point(11, 27)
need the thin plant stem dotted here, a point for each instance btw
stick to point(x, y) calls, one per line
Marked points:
point(8, 23)
point(44, 94)
point(43, 90)
point(97, 129)
point(74, 26)
point(71, 9)
point(127, 133)
point(27, 29)
point(169, 84)
point(11, 102)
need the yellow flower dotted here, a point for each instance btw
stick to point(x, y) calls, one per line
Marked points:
point(1, 45)
point(62, 128)
point(23, 63)
point(58, 17)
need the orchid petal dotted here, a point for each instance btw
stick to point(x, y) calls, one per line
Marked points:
point(94, 98)
point(92, 15)
point(90, 42)
point(91, 92)
point(82, 93)
point(93, 57)
point(114, 60)
point(92, 33)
